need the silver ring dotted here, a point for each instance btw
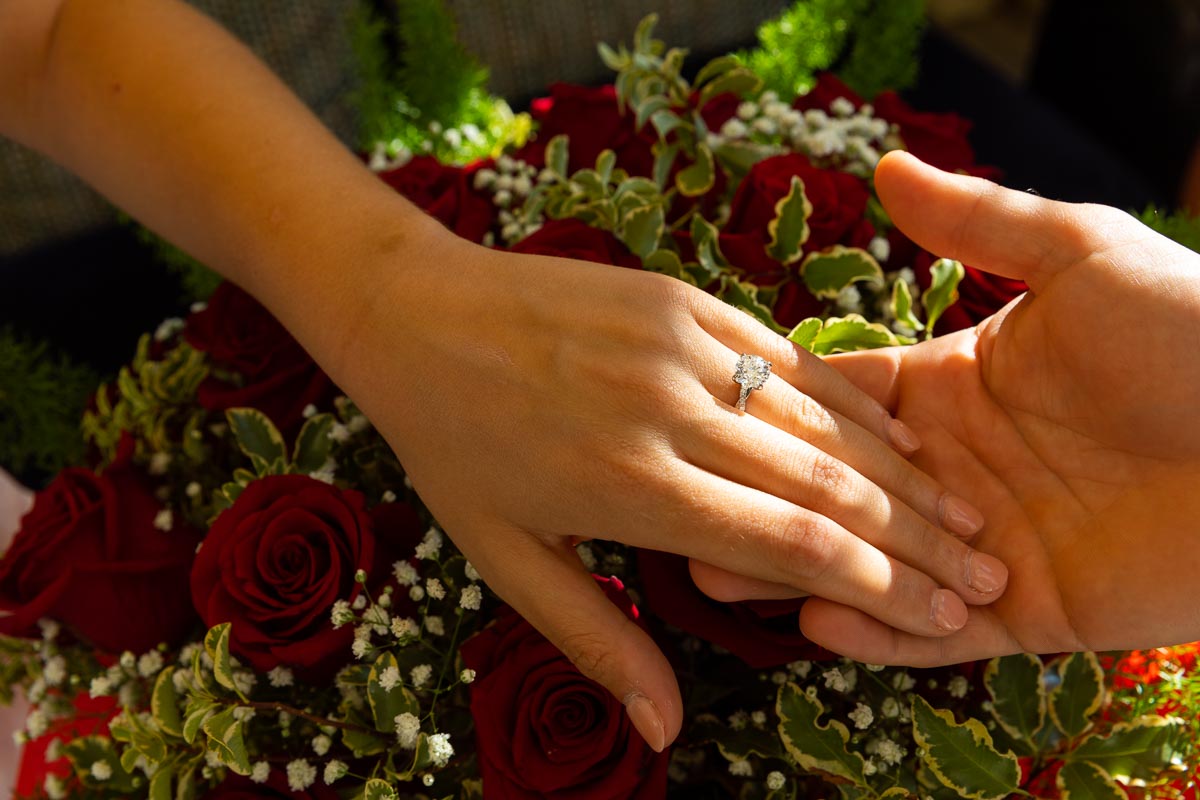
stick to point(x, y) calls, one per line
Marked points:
point(751, 372)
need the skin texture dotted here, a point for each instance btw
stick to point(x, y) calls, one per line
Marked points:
point(1068, 418)
point(532, 400)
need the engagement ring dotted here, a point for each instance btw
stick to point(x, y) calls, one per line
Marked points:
point(751, 372)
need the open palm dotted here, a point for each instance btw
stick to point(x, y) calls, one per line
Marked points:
point(1069, 418)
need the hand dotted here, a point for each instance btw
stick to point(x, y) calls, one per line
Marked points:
point(1069, 418)
point(537, 400)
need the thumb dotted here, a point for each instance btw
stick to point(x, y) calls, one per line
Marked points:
point(550, 588)
point(1010, 233)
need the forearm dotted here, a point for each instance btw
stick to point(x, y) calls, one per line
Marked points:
point(178, 123)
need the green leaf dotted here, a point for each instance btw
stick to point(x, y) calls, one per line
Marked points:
point(744, 296)
point(943, 290)
point(256, 435)
point(706, 240)
point(1137, 750)
point(815, 747)
point(789, 229)
point(739, 81)
point(715, 69)
point(1018, 694)
point(641, 229)
point(902, 305)
point(378, 790)
point(665, 121)
point(845, 334)
point(664, 160)
point(612, 59)
point(962, 756)
point(313, 444)
point(186, 788)
point(226, 738)
point(650, 106)
point(216, 643)
point(362, 744)
point(805, 333)
point(557, 157)
point(605, 163)
point(664, 261)
point(643, 41)
point(1078, 695)
point(195, 719)
point(697, 178)
point(160, 784)
point(827, 272)
point(164, 703)
point(1083, 780)
point(738, 155)
point(737, 745)
point(387, 705)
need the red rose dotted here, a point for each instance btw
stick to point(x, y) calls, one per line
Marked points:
point(276, 561)
point(255, 362)
point(762, 633)
point(235, 787)
point(89, 556)
point(570, 238)
point(446, 193)
point(546, 731)
point(592, 120)
point(937, 139)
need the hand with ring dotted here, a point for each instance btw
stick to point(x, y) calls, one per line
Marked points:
point(531, 399)
point(597, 402)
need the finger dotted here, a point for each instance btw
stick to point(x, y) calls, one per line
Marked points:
point(853, 634)
point(875, 372)
point(729, 587)
point(550, 588)
point(743, 530)
point(808, 422)
point(754, 453)
point(742, 334)
point(1010, 233)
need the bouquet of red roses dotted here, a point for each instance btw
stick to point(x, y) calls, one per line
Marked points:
point(246, 598)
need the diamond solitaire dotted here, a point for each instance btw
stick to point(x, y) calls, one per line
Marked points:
point(751, 372)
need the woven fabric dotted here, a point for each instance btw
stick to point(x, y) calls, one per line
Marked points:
point(525, 44)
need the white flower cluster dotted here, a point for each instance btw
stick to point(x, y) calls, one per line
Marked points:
point(849, 139)
point(510, 183)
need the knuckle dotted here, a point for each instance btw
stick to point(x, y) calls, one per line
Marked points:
point(814, 422)
point(829, 478)
point(808, 547)
point(591, 653)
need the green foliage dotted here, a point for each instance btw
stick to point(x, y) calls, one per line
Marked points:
point(1178, 225)
point(789, 228)
point(420, 91)
point(816, 747)
point(871, 43)
point(155, 400)
point(1079, 694)
point(43, 394)
point(843, 335)
point(1017, 688)
point(963, 756)
point(828, 272)
point(942, 293)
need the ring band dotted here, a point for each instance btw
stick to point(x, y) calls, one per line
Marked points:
point(751, 372)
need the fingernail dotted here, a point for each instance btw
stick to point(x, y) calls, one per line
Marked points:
point(985, 573)
point(949, 612)
point(645, 717)
point(959, 516)
point(903, 436)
